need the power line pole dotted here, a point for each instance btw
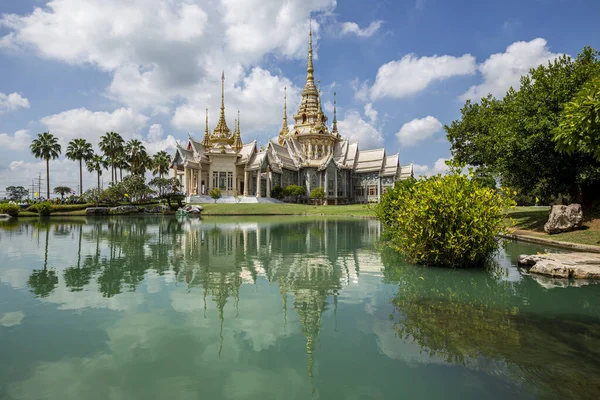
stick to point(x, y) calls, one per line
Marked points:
point(40, 185)
point(32, 189)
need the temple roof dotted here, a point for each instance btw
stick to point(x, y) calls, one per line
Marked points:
point(370, 160)
point(390, 165)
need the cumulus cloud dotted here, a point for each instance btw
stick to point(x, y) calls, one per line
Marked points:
point(83, 123)
point(11, 318)
point(20, 140)
point(13, 101)
point(160, 52)
point(503, 70)
point(352, 28)
point(438, 167)
point(411, 74)
point(418, 130)
point(371, 113)
point(361, 89)
point(356, 129)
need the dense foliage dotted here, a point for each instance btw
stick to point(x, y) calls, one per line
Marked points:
point(294, 191)
point(46, 147)
point(317, 193)
point(277, 192)
point(62, 190)
point(443, 220)
point(44, 208)
point(512, 138)
point(16, 193)
point(10, 209)
point(215, 193)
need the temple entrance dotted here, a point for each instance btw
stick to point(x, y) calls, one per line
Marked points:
point(242, 188)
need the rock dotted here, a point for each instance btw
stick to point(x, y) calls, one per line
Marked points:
point(156, 209)
point(5, 216)
point(564, 219)
point(564, 265)
point(549, 282)
point(124, 210)
point(190, 209)
point(96, 211)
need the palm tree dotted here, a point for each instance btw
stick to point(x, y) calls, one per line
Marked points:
point(137, 156)
point(46, 147)
point(96, 163)
point(79, 150)
point(161, 163)
point(111, 145)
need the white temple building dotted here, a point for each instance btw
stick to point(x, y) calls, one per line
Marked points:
point(310, 155)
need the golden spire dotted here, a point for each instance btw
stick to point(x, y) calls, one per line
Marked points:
point(206, 138)
point(335, 112)
point(284, 127)
point(310, 70)
point(221, 130)
point(237, 140)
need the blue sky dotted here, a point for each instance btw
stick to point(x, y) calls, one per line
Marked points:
point(149, 68)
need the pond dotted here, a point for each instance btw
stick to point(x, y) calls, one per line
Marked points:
point(277, 308)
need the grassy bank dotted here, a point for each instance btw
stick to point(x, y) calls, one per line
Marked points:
point(353, 210)
point(531, 220)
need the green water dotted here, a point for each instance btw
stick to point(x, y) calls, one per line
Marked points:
point(277, 308)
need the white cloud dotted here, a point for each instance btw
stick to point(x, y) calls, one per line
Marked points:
point(412, 74)
point(349, 28)
point(13, 101)
point(20, 140)
point(418, 130)
point(83, 123)
point(162, 52)
point(439, 167)
point(155, 132)
point(328, 106)
point(355, 129)
point(361, 89)
point(503, 70)
point(371, 113)
point(11, 318)
point(63, 172)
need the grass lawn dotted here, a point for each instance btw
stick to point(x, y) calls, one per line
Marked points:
point(353, 210)
point(531, 221)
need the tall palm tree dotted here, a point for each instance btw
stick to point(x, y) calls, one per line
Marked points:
point(79, 150)
point(161, 163)
point(137, 156)
point(111, 145)
point(46, 147)
point(96, 163)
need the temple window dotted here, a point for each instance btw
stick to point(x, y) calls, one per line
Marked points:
point(372, 190)
point(230, 181)
point(222, 180)
point(303, 118)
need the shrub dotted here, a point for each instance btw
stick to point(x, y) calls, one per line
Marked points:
point(277, 192)
point(294, 191)
point(215, 193)
point(10, 209)
point(446, 220)
point(317, 193)
point(45, 208)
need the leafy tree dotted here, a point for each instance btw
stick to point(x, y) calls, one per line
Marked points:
point(578, 129)
point(277, 192)
point(215, 193)
point(79, 150)
point(294, 191)
point(16, 193)
point(46, 147)
point(161, 163)
point(160, 185)
point(96, 163)
point(111, 145)
point(135, 187)
point(62, 190)
point(512, 138)
point(137, 157)
point(317, 193)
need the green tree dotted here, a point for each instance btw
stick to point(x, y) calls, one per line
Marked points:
point(62, 190)
point(215, 193)
point(136, 155)
point(135, 187)
point(294, 191)
point(96, 164)
point(578, 129)
point(161, 163)
point(111, 145)
point(512, 137)
point(277, 192)
point(79, 150)
point(16, 193)
point(46, 147)
point(317, 194)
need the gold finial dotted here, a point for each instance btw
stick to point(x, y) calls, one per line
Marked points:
point(284, 126)
point(310, 68)
point(221, 130)
point(206, 129)
point(238, 121)
point(223, 90)
point(334, 112)
point(205, 140)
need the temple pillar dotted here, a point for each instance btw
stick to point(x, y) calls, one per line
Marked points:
point(326, 186)
point(258, 183)
point(335, 188)
point(246, 183)
point(185, 180)
point(268, 182)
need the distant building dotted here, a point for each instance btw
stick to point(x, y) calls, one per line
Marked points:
point(309, 155)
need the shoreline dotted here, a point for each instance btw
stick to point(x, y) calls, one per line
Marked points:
point(520, 237)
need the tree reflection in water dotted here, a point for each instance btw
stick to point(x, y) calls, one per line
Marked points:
point(463, 317)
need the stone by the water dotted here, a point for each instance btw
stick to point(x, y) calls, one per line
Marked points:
point(564, 219)
point(96, 211)
point(124, 210)
point(190, 209)
point(563, 265)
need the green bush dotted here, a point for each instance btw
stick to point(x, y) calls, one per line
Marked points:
point(277, 192)
point(215, 193)
point(10, 209)
point(294, 191)
point(70, 207)
point(45, 208)
point(446, 220)
point(317, 193)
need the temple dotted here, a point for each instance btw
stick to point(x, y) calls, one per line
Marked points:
point(309, 155)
